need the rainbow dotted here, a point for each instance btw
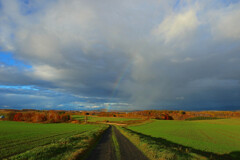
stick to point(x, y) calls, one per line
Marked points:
point(117, 84)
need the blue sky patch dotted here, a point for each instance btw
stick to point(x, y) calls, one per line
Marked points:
point(8, 59)
point(19, 87)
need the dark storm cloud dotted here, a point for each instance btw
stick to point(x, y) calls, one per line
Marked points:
point(138, 54)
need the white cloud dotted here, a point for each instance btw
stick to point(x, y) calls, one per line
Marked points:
point(187, 59)
point(47, 72)
point(180, 98)
point(177, 25)
point(93, 107)
point(225, 22)
point(145, 52)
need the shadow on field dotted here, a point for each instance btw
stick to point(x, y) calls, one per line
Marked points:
point(235, 154)
point(183, 150)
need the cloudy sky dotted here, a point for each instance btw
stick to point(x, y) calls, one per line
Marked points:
point(138, 54)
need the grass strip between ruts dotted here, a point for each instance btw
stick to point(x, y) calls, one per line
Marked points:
point(116, 145)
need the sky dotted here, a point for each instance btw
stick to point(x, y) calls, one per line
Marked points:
point(120, 55)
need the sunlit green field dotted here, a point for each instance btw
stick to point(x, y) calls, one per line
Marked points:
point(17, 137)
point(95, 119)
point(219, 136)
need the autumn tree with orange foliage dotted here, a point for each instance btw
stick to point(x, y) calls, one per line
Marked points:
point(39, 116)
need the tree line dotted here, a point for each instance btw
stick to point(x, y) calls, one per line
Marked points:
point(38, 116)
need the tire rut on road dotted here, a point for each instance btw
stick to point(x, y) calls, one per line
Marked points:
point(105, 148)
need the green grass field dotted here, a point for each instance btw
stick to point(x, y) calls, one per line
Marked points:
point(218, 136)
point(18, 137)
point(95, 119)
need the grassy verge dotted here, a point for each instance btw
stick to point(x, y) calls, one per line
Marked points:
point(116, 145)
point(161, 149)
point(71, 148)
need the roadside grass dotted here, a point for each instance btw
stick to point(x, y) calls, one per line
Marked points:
point(162, 149)
point(20, 140)
point(220, 136)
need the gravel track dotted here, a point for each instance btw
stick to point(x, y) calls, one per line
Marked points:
point(105, 149)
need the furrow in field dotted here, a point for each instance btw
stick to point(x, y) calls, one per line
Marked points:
point(229, 134)
point(12, 150)
point(36, 140)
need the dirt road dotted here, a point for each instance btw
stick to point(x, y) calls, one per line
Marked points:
point(107, 150)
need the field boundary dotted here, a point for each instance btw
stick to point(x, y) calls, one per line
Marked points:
point(83, 154)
